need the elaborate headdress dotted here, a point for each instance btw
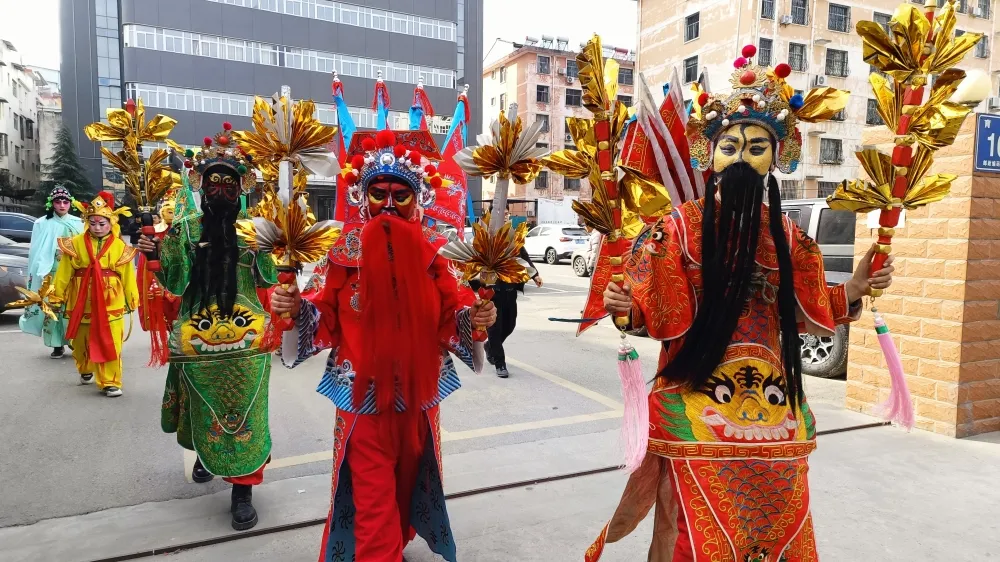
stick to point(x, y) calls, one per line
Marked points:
point(103, 206)
point(403, 156)
point(221, 150)
point(59, 192)
point(760, 96)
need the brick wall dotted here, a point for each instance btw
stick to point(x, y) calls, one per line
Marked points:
point(942, 309)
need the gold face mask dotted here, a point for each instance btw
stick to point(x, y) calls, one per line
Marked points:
point(744, 143)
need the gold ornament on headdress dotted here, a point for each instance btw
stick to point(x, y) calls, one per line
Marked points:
point(914, 47)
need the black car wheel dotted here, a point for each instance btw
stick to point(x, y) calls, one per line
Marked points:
point(551, 257)
point(580, 267)
point(825, 357)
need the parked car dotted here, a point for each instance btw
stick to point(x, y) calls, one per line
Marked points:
point(13, 273)
point(833, 231)
point(579, 261)
point(11, 248)
point(555, 242)
point(16, 226)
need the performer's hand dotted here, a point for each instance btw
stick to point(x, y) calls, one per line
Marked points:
point(484, 314)
point(145, 244)
point(286, 300)
point(617, 299)
point(864, 281)
point(537, 279)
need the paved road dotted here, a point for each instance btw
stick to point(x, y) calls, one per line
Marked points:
point(73, 451)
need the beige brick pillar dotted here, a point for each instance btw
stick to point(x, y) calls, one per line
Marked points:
point(942, 309)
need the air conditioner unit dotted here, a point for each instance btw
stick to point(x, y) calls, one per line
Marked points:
point(977, 12)
point(570, 79)
point(786, 20)
point(561, 71)
point(819, 80)
point(993, 102)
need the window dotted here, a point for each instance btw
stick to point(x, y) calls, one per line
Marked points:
point(503, 102)
point(145, 37)
point(541, 145)
point(493, 101)
point(791, 189)
point(691, 69)
point(840, 115)
point(984, 7)
point(872, 116)
point(840, 18)
point(835, 227)
point(574, 98)
point(544, 120)
point(797, 57)
point(625, 76)
point(567, 135)
point(173, 41)
point(572, 71)
point(626, 100)
point(544, 64)
point(826, 189)
point(836, 62)
point(764, 52)
point(799, 12)
point(503, 74)
point(831, 151)
point(691, 27)
point(542, 94)
point(542, 181)
point(883, 20)
point(959, 32)
point(17, 154)
point(963, 6)
point(983, 47)
point(767, 9)
point(571, 184)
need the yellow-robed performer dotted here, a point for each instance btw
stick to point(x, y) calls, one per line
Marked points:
point(96, 282)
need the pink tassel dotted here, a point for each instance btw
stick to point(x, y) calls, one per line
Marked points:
point(898, 407)
point(635, 426)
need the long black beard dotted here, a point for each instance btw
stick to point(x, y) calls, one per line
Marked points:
point(216, 257)
point(730, 235)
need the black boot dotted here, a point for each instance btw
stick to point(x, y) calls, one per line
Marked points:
point(57, 352)
point(244, 515)
point(200, 474)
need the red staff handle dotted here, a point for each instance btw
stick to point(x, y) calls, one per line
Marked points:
point(479, 333)
point(286, 277)
point(152, 257)
point(617, 244)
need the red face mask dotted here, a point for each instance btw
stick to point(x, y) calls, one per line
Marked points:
point(220, 183)
point(391, 197)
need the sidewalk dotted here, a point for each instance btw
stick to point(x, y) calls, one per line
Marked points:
point(878, 495)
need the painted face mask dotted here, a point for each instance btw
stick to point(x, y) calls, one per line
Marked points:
point(221, 183)
point(744, 143)
point(385, 196)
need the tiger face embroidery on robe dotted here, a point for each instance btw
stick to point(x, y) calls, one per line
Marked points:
point(210, 332)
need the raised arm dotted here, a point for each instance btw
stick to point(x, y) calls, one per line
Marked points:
point(316, 324)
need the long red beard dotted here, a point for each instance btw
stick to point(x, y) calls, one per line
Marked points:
point(400, 313)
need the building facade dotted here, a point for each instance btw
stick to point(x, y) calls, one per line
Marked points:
point(203, 61)
point(20, 167)
point(817, 38)
point(542, 79)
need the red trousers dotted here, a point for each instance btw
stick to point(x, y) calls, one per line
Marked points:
point(383, 455)
point(248, 480)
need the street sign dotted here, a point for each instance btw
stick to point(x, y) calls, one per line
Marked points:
point(987, 153)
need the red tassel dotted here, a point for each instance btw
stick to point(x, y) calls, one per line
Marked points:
point(153, 315)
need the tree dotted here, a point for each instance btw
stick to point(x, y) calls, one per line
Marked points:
point(64, 170)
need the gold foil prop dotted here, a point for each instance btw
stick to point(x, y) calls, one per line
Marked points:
point(41, 298)
point(508, 151)
point(861, 196)
point(821, 104)
point(490, 257)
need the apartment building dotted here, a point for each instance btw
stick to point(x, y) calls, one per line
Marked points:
point(202, 61)
point(541, 77)
point(817, 38)
point(20, 167)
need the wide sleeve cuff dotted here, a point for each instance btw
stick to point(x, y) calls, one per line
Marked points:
point(844, 312)
point(462, 345)
point(299, 343)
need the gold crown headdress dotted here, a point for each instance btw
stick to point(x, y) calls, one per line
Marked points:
point(760, 96)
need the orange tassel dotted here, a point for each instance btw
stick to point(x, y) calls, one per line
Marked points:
point(153, 316)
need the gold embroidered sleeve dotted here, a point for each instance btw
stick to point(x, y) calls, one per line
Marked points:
point(128, 254)
point(65, 246)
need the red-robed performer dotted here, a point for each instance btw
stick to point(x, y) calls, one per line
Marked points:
point(158, 308)
point(392, 312)
point(727, 283)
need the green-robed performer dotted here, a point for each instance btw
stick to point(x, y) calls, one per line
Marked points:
point(216, 396)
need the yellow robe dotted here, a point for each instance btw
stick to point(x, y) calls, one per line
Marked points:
point(121, 296)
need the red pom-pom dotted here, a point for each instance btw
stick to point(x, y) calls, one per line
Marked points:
point(385, 139)
point(740, 62)
point(782, 70)
point(227, 126)
point(368, 144)
point(430, 170)
point(414, 158)
point(399, 150)
point(749, 51)
point(748, 77)
point(703, 99)
point(207, 141)
point(223, 140)
point(436, 182)
point(188, 164)
point(358, 162)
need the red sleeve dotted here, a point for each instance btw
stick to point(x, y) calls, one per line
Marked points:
point(451, 298)
point(325, 301)
point(664, 295)
point(811, 292)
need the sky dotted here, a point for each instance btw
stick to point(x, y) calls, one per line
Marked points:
point(33, 25)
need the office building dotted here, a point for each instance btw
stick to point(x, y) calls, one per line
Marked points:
point(202, 61)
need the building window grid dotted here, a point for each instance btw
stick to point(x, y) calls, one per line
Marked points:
point(626, 76)
point(826, 188)
point(350, 14)
point(836, 63)
point(764, 51)
point(542, 94)
point(572, 71)
point(625, 100)
point(574, 98)
point(767, 9)
point(544, 119)
point(292, 57)
point(797, 57)
point(984, 8)
point(571, 184)
point(544, 65)
point(542, 180)
point(800, 12)
point(692, 27)
point(831, 151)
point(839, 18)
point(872, 116)
point(982, 50)
point(691, 69)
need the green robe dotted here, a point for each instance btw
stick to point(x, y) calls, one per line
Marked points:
point(217, 383)
point(43, 260)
